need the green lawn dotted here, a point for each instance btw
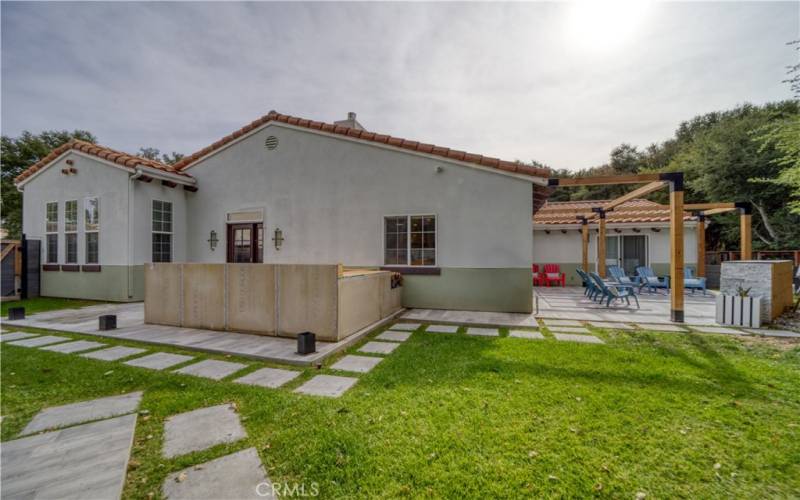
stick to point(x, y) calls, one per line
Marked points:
point(448, 416)
point(42, 304)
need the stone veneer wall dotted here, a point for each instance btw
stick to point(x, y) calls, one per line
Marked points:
point(770, 280)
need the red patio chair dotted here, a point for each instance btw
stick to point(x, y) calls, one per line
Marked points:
point(552, 273)
point(537, 276)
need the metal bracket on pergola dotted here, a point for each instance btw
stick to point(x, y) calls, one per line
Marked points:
point(704, 210)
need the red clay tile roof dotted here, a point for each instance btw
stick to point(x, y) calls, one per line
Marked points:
point(108, 154)
point(634, 211)
point(486, 161)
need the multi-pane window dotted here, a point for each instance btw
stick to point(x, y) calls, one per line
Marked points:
point(51, 228)
point(410, 240)
point(71, 232)
point(91, 209)
point(162, 231)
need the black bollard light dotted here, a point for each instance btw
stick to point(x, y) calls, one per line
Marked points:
point(306, 343)
point(108, 322)
point(15, 313)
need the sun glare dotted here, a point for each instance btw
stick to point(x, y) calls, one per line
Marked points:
point(604, 25)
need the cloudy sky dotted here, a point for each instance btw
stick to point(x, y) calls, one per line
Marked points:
point(559, 83)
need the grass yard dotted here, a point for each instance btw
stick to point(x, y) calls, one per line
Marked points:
point(453, 416)
point(43, 304)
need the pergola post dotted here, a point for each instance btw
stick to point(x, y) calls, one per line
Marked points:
point(746, 230)
point(601, 242)
point(585, 244)
point(675, 244)
point(701, 245)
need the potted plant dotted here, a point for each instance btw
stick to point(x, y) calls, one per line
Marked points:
point(740, 309)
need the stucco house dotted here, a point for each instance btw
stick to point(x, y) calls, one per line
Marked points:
point(288, 190)
point(637, 233)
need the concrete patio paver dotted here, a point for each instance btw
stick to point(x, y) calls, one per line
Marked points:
point(201, 429)
point(442, 329)
point(159, 360)
point(405, 327)
point(85, 411)
point(239, 475)
point(332, 386)
point(374, 347)
point(39, 341)
point(586, 339)
point(718, 329)
point(561, 322)
point(663, 328)
point(268, 377)
point(394, 336)
point(7, 337)
point(85, 461)
point(113, 353)
point(612, 325)
point(212, 368)
point(773, 333)
point(483, 332)
point(524, 334)
point(358, 364)
point(569, 329)
point(76, 346)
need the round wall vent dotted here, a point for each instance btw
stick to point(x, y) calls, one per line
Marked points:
point(271, 142)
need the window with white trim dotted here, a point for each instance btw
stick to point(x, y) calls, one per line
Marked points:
point(71, 232)
point(410, 240)
point(91, 227)
point(51, 230)
point(162, 231)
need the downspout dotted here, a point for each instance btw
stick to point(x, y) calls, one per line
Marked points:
point(137, 173)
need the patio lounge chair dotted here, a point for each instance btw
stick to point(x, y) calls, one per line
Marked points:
point(650, 280)
point(590, 289)
point(552, 273)
point(691, 282)
point(614, 292)
point(618, 275)
point(537, 276)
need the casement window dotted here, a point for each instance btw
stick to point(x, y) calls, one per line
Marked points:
point(410, 240)
point(51, 230)
point(162, 231)
point(91, 228)
point(71, 232)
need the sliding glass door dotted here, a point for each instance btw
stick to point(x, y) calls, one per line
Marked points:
point(628, 251)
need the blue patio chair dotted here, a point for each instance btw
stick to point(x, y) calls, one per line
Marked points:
point(649, 279)
point(591, 289)
point(618, 275)
point(614, 292)
point(691, 282)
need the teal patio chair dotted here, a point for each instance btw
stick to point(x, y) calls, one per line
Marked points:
point(649, 280)
point(618, 274)
point(591, 289)
point(691, 282)
point(610, 291)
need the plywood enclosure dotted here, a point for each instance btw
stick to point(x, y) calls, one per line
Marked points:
point(268, 299)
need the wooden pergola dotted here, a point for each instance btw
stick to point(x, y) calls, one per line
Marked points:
point(654, 182)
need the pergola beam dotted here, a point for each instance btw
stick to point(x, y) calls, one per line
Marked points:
point(644, 190)
point(692, 207)
point(605, 180)
point(715, 211)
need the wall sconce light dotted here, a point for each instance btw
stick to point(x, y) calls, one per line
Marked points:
point(617, 230)
point(655, 229)
point(637, 230)
point(563, 231)
point(546, 231)
point(278, 238)
point(212, 240)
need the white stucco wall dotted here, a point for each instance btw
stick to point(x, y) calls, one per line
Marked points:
point(93, 179)
point(329, 196)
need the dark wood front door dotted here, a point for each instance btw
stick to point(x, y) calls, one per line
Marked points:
point(246, 242)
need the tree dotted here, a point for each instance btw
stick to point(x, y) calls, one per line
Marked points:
point(17, 154)
point(156, 155)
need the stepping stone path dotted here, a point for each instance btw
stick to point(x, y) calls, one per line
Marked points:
point(201, 429)
point(16, 336)
point(85, 461)
point(561, 322)
point(569, 329)
point(159, 360)
point(85, 411)
point(327, 385)
point(613, 326)
point(268, 377)
point(39, 341)
point(211, 368)
point(378, 347)
point(663, 328)
point(718, 329)
point(113, 353)
point(773, 333)
point(405, 327)
point(442, 329)
point(586, 339)
point(394, 336)
point(358, 364)
point(483, 332)
point(238, 475)
point(76, 346)
point(524, 334)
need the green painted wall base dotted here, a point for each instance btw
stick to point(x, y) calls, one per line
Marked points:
point(110, 284)
point(471, 289)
